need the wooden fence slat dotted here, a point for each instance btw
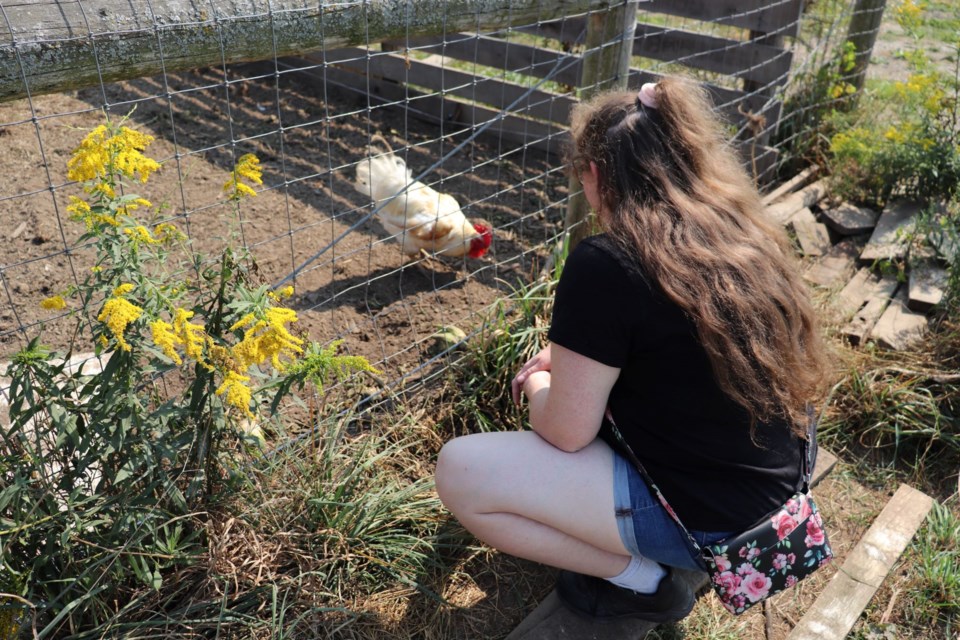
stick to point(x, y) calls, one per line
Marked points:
point(750, 61)
point(448, 111)
point(491, 91)
point(840, 604)
point(782, 18)
point(743, 59)
point(500, 54)
point(52, 43)
point(539, 62)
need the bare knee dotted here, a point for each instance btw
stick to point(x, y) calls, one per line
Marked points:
point(452, 475)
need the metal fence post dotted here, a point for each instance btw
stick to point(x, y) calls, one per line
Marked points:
point(605, 65)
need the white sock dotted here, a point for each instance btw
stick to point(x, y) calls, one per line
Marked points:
point(642, 575)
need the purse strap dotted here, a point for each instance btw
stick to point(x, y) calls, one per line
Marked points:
point(807, 459)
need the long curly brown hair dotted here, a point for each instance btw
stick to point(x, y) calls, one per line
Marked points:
point(676, 197)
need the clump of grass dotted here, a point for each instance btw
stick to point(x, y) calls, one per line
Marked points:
point(900, 407)
point(514, 331)
point(933, 592)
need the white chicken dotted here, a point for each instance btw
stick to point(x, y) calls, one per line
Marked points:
point(420, 218)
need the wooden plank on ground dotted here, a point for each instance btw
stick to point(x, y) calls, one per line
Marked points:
point(855, 293)
point(813, 236)
point(849, 220)
point(858, 329)
point(899, 328)
point(781, 212)
point(927, 284)
point(887, 242)
point(836, 265)
point(791, 185)
point(840, 604)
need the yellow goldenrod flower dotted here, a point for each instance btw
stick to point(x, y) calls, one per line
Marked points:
point(248, 167)
point(235, 392)
point(191, 335)
point(96, 269)
point(106, 151)
point(78, 208)
point(267, 339)
point(168, 233)
point(123, 289)
point(140, 234)
point(117, 314)
point(54, 303)
point(895, 135)
point(164, 337)
point(133, 205)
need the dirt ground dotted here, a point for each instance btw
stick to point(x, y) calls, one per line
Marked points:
point(309, 139)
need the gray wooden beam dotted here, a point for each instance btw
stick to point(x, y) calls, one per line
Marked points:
point(55, 46)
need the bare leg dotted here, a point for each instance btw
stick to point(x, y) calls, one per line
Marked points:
point(520, 494)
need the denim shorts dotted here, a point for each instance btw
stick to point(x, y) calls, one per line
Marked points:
point(646, 528)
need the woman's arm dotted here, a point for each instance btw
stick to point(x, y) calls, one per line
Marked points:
point(567, 403)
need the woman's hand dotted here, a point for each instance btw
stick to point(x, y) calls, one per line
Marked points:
point(539, 362)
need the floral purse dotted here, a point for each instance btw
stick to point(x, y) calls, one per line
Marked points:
point(773, 555)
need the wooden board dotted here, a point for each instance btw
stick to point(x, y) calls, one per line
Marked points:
point(813, 236)
point(886, 242)
point(790, 185)
point(564, 68)
point(858, 329)
point(836, 265)
point(448, 112)
point(840, 604)
point(744, 59)
point(781, 212)
point(899, 328)
point(848, 219)
point(68, 45)
point(782, 18)
point(437, 75)
point(927, 284)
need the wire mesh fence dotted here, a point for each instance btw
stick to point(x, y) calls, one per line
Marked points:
point(376, 125)
point(473, 98)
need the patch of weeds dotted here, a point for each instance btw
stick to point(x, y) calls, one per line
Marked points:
point(934, 559)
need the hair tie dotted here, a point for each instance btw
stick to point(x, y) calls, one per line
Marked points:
point(648, 95)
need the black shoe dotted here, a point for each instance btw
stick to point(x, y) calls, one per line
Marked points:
point(602, 600)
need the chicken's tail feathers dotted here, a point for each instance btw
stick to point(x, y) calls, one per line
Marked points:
point(379, 139)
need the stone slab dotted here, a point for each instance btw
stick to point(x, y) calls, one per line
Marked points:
point(928, 283)
point(899, 328)
point(850, 220)
point(813, 236)
point(887, 242)
point(836, 265)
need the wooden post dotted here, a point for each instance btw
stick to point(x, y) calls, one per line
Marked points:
point(606, 65)
point(862, 32)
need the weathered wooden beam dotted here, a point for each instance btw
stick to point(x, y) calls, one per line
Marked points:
point(781, 18)
point(840, 604)
point(56, 46)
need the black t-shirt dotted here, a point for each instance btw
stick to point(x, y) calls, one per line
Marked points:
point(692, 439)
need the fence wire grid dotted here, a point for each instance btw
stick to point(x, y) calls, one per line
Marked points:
point(474, 97)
